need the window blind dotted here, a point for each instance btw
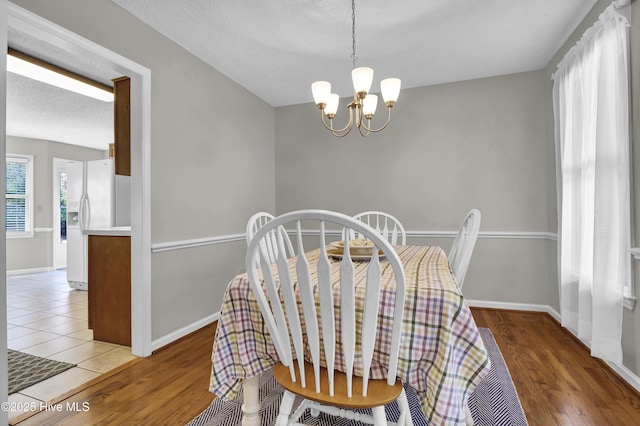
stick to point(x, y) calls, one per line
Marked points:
point(17, 194)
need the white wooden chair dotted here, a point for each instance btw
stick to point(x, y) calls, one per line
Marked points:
point(256, 222)
point(386, 225)
point(322, 387)
point(462, 248)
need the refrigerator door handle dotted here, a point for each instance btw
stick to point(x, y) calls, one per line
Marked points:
point(88, 204)
point(84, 212)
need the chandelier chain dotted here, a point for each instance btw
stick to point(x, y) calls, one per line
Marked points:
point(353, 32)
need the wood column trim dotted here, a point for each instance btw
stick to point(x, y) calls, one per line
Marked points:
point(122, 125)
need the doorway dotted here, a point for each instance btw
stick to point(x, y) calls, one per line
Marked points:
point(62, 40)
point(59, 213)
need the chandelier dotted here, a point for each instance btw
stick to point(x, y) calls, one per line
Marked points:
point(363, 106)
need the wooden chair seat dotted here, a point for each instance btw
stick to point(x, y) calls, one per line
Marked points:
point(379, 393)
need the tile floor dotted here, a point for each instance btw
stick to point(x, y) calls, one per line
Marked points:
point(48, 319)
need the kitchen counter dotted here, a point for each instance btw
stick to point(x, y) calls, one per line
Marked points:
point(116, 231)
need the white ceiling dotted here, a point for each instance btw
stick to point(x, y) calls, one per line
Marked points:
point(277, 48)
point(40, 111)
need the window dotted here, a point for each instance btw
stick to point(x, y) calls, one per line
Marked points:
point(19, 196)
point(591, 105)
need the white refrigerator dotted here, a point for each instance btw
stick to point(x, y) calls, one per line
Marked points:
point(91, 204)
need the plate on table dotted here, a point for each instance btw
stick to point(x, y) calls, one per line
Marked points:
point(338, 253)
point(359, 246)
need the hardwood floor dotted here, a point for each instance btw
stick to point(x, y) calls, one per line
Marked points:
point(556, 379)
point(171, 387)
point(558, 382)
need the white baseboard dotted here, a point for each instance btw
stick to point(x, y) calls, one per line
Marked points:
point(514, 307)
point(627, 375)
point(29, 271)
point(172, 337)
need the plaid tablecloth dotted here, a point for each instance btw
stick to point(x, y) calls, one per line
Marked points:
point(441, 355)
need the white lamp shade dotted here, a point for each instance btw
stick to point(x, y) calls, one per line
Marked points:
point(321, 91)
point(362, 78)
point(390, 88)
point(369, 105)
point(332, 104)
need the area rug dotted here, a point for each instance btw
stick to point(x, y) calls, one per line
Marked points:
point(494, 402)
point(26, 370)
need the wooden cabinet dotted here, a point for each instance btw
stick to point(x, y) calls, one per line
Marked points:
point(110, 288)
point(122, 125)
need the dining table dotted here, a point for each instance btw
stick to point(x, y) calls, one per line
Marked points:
point(442, 355)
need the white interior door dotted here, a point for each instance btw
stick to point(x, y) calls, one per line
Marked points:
point(59, 213)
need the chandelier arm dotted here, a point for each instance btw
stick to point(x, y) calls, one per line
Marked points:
point(330, 125)
point(368, 129)
point(341, 132)
point(338, 135)
point(364, 134)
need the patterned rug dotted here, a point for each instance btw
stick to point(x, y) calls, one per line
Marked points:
point(26, 370)
point(494, 402)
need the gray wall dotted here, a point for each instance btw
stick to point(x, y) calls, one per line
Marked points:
point(210, 168)
point(484, 143)
point(37, 252)
point(449, 148)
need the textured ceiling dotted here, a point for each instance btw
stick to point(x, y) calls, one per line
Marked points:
point(277, 48)
point(40, 111)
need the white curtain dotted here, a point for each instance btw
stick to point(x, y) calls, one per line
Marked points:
point(591, 107)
